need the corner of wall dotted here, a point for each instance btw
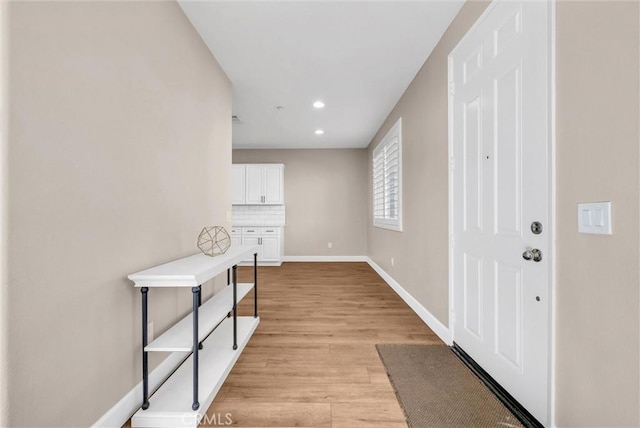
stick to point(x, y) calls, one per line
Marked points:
point(4, 137)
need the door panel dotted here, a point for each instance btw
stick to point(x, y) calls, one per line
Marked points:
point(499, 148)
point(472, 170)
point(238, 182)
point(507, 154)
point(473, 295)
point(271, 248)
point(255, 184)
point(509, 313)
point(273, 185)
point(252, 240)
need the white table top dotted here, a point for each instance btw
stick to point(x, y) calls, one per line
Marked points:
point(192, 271)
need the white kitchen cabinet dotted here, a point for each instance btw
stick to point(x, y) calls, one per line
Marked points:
point(253, 185)
point(252, 240)
point(263, 183)
point(273, 184)
point(270, 248)
point(268, 239)
point(238, 180)
point(236, 236)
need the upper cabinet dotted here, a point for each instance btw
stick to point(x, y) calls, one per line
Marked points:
point(263, 184)
point(238, 181)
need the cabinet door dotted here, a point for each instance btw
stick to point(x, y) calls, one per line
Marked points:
point(236, 240)
point(252, 240)
point(254, 184)
point(273, 185)
point(238, 183)
point(271, 248)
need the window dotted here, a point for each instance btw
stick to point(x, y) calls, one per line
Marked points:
point(387, 180)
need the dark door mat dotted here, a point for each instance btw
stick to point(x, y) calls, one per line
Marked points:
point(435, 389)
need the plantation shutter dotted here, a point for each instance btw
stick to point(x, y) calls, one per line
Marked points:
point(386, 182)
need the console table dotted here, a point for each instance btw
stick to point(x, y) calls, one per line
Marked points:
point(210, 333)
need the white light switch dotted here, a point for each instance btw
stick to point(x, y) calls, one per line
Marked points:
point(595, 218)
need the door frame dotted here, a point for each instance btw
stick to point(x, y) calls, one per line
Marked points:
point(551, 191)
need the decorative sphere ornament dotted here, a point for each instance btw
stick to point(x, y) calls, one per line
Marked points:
point(214, 240)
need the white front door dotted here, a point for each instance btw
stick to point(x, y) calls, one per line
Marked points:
point(499, 122)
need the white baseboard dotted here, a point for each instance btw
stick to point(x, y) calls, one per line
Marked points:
point(325, 259)
point(432, 322)
point(122, 411)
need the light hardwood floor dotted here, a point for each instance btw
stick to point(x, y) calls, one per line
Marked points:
point(313, 362)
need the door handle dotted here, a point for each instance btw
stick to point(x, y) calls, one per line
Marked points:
point(532, 254)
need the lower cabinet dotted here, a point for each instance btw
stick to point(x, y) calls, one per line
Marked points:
point(268, 239)
point(270, 246)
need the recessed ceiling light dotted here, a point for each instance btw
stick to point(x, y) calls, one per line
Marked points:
point(319, 132)
point(279, 107)
point(318, 104)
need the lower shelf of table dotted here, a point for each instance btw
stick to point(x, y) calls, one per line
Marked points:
point(170, 405)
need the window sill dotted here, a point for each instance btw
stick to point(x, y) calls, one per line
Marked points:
point(394, 227)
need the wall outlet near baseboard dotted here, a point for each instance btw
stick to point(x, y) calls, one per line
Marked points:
point(330, 245)
point(393, 261)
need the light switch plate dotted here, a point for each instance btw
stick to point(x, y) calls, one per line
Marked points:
point(595, 217)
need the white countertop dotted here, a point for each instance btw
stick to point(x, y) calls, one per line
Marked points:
point(255, 223)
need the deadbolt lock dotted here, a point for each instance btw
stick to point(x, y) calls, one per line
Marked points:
point(536, 228)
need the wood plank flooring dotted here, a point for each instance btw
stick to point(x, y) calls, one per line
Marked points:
point(312, 361)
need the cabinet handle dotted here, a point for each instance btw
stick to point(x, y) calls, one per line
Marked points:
point(262, 199)
point(259, 241)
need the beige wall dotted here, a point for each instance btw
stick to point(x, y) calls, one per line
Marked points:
point(598, 159)
point(119, 153)
point(420, 251)
point(4, 372)
point(598, 325)
point(325, 194)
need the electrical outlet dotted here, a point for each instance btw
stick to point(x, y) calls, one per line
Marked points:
point(330, 245)
point(150, 332)
point(393, 262)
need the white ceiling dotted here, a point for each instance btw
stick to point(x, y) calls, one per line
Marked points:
point(356, 56)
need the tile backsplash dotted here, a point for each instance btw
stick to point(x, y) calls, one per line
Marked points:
point(256, 215)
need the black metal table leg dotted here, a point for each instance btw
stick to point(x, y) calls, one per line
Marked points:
point(196, 300)
point(229, 283)
point(235, 306)
point(145, 357)
point(255, 285)
point(200, 345)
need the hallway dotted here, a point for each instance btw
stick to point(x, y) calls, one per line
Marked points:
point(313, 362)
